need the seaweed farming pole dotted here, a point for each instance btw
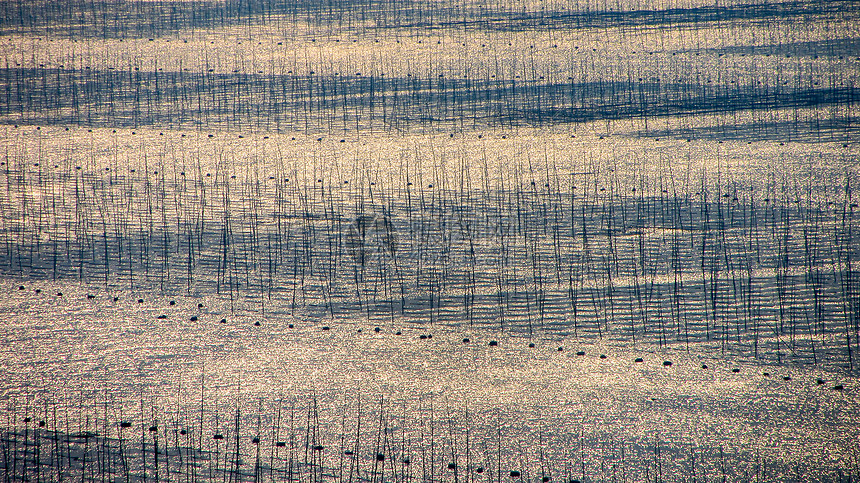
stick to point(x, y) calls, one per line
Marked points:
point(847, 284)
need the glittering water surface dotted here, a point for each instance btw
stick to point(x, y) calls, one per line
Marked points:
point(555, 409)
point(396, 241)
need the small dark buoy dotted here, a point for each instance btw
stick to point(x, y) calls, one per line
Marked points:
point(452, 466)
point(153, 429)
point(325, 327)
point(639, 359)
point(580, 353)
point(838, 387)
point(786, 378)
point(280, 444)
point(515, 474)
point(218, 436)
point(257, 323)
point(193, 318)
point(493, 343)
point(172, 302)
point(376, 329)
point(736, 370)
point(466, 340)
point(667, 363)
point(380, 457)
point(125, 424)
point(819, 381)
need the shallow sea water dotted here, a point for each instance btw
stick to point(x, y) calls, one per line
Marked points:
point(387, 202)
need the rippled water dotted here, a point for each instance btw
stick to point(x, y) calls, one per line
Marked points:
point(554, 408)
point(399, 241)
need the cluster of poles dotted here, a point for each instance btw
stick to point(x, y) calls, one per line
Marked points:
point(295, 440)
point(575, 248)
